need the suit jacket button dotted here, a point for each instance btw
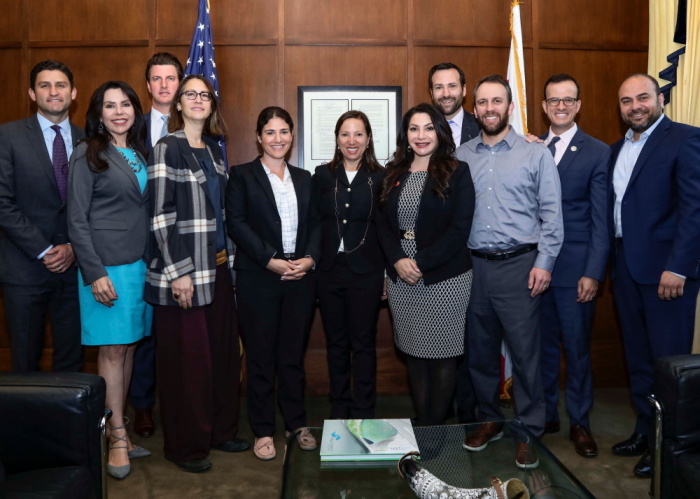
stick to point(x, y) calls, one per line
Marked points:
point(349, 189)
point(347, 205)
point(345, 221)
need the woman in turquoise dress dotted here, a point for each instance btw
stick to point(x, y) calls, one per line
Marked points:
point(108, 229)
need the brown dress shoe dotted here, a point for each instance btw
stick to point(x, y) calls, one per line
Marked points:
point(143, 422)
point(583, 441)
point(487, 432)
point(525, 456)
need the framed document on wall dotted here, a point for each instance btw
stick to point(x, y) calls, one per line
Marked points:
point(320, 108)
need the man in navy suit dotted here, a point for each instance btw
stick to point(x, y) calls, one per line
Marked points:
point(568, 306)
point(163, 75)
point(37, 268)
point(656, 224)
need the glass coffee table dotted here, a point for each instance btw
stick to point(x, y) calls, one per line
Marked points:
point(442, 454)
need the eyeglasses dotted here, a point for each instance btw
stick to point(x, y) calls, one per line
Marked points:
point(554, 102)
point(192, 95)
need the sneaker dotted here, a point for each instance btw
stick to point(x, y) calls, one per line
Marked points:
point(487, 432)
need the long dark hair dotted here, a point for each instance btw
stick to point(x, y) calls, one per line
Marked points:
point(442, 162)
point(97, 136)
point(369, 160)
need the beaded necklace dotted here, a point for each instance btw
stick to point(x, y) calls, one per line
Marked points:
point(136, 166)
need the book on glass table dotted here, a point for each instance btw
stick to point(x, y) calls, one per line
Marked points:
point(366, 439)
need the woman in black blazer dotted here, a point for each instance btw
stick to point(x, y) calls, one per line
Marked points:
point(276, 231)
point(108, 230)
point(428, 203)
point(351, 270)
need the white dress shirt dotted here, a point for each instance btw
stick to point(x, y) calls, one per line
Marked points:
point(286, 201)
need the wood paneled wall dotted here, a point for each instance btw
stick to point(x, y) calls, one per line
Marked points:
point(265, 49)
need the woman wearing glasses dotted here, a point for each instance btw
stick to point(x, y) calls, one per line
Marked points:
point(276, 231)
point(190, 282)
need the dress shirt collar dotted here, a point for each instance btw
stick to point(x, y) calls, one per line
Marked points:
point(458, 118)
point(509, 139)
point(285, 176)
point(564, 138)
point(645, 135)
point(46, 124)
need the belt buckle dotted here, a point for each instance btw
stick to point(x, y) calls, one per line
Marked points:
point(409, 235)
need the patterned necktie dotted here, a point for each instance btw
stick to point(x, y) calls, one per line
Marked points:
point(164, 129)
point(60, 162)
point(551, 145)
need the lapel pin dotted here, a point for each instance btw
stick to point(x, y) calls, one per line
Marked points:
point(573, 148)
point(397, 183)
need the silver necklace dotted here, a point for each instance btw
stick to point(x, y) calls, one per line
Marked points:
point(369, 215)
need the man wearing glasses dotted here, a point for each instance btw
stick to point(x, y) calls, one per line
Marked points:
point(568, 306)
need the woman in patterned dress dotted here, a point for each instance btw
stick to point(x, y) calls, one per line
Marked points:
point(428, 202)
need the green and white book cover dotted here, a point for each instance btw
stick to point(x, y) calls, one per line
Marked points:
point(367, 439)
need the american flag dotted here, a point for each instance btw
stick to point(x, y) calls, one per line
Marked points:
point(201, 58)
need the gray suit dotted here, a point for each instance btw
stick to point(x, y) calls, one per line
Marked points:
point(33, 217)
point(107, 214)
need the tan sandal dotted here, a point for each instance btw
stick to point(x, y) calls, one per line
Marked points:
point(304, 437)
point(264, 448)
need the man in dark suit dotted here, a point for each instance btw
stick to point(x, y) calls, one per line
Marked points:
point(656, 224)
point(37, 268)
point(568, 306)
point(163, 75)
point(448, 87)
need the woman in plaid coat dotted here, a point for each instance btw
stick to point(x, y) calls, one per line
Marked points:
point(190, 282)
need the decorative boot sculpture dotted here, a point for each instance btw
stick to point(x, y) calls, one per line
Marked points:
point(427, 486)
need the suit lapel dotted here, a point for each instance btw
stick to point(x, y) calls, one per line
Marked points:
point(261, 177)
point(36, 139)
point(572, 151)
point(652, 141)
point(115, 157)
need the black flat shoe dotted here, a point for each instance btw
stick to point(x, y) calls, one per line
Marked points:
point(235, 445)
point(193, 465)
point(643, 468)
point(636, 445)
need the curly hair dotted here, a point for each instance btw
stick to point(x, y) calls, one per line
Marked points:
point(442, 162)
point(369, 160)
point(97, 136)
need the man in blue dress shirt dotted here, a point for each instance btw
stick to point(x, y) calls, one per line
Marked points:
point(515, 239)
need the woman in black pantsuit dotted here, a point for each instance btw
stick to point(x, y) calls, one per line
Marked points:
point(276, 231)
point(351, 269)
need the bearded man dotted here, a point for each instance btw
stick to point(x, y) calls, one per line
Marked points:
point(516, 236)
point(656, 227)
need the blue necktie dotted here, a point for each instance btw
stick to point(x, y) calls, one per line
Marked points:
point(60, 162)
point(164, 129)
point(551, 144)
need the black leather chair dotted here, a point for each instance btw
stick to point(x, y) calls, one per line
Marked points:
point(51, 435)
point(676, 454)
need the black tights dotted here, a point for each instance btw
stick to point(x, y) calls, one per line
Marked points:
point(432, 383)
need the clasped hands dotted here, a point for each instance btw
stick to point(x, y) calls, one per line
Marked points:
point(290, 270)
point(408, 271)
point(59, 258)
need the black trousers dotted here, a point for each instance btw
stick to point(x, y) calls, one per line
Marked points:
point(26, 309)
point(349, 304)
point(275, 317)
